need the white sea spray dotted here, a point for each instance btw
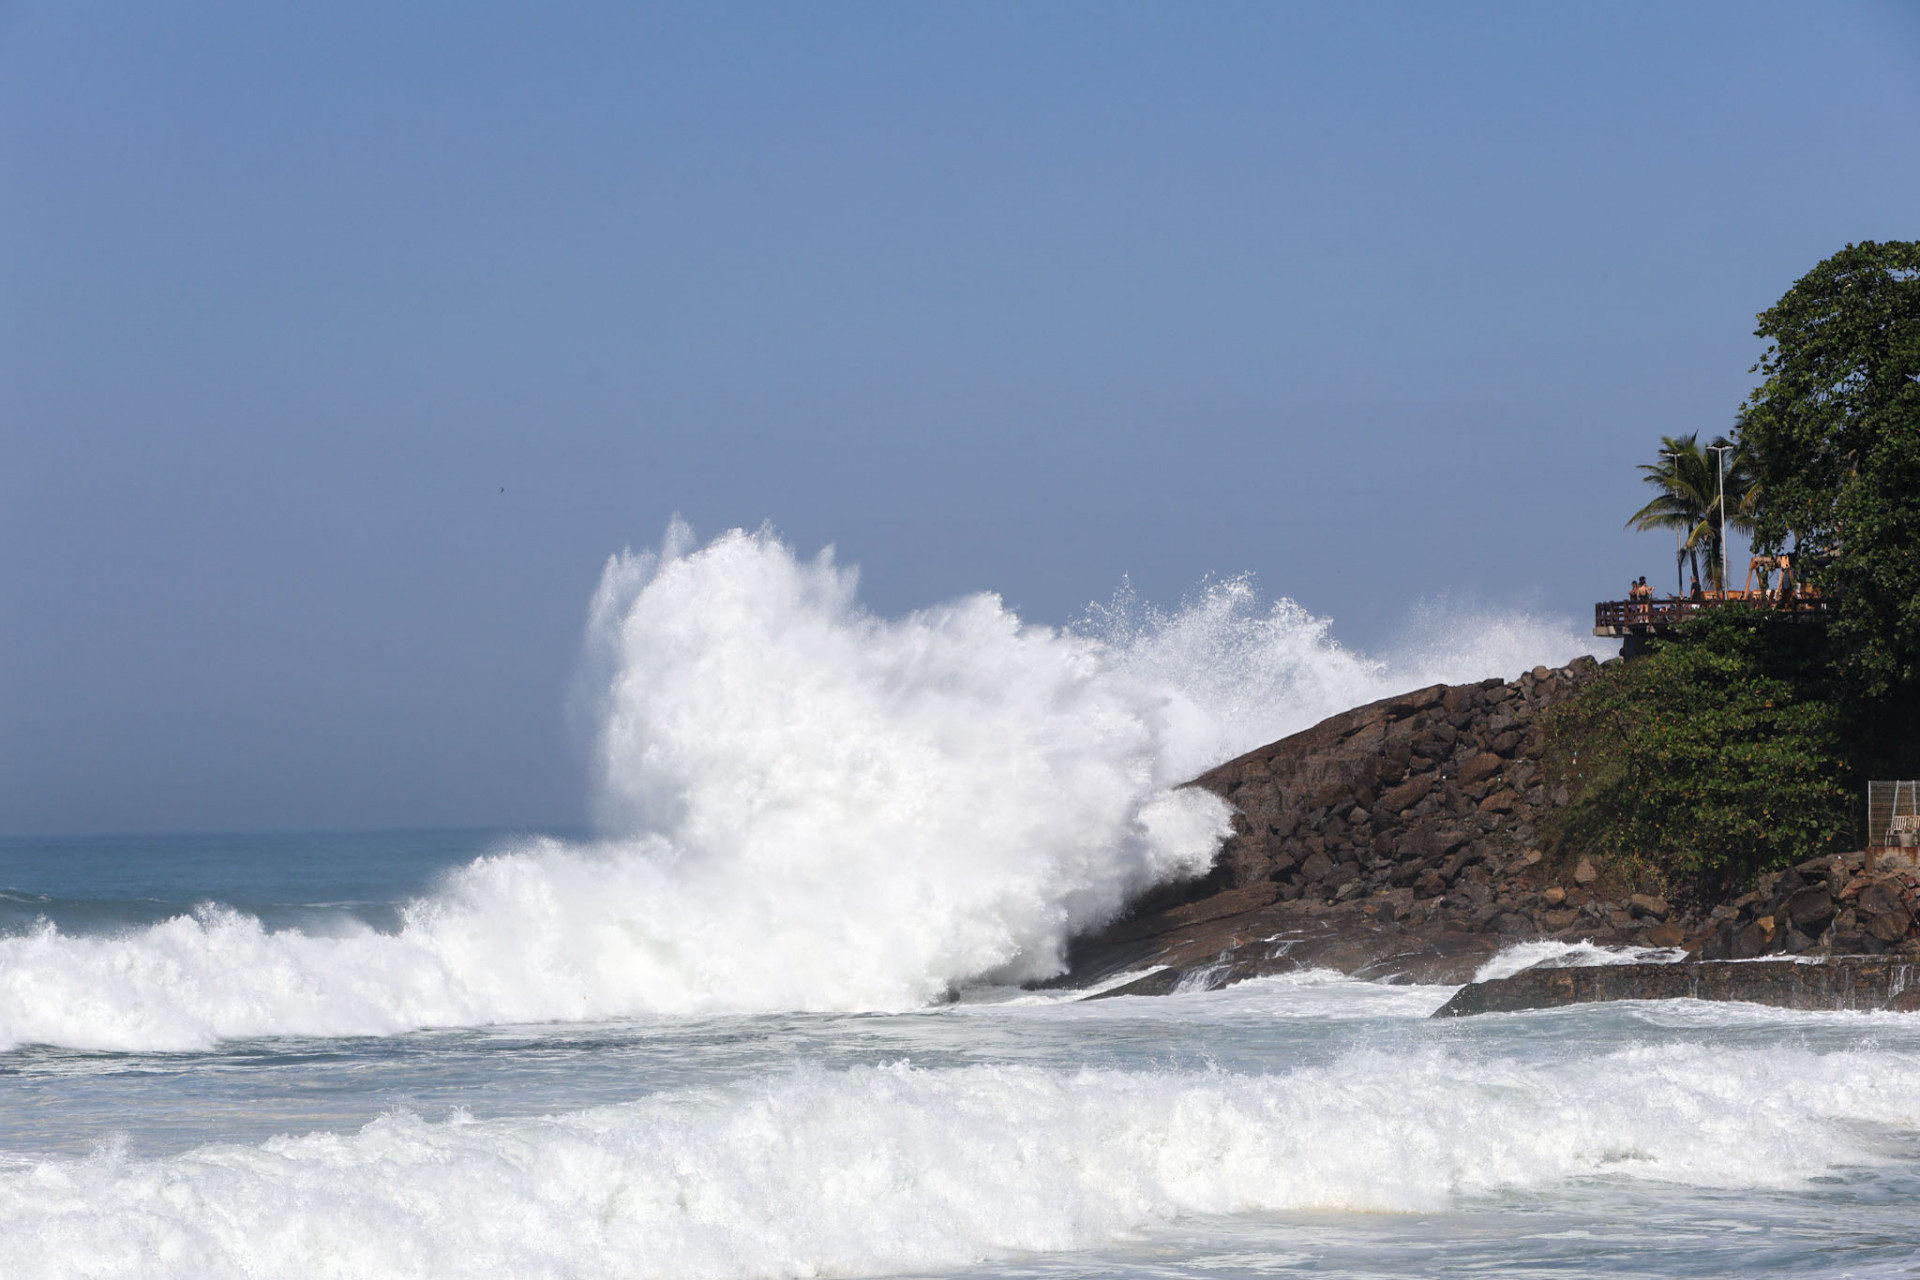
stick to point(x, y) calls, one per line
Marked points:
point(806, 806)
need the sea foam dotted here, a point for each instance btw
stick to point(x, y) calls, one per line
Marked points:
point(807, 806)
point(896, 1168)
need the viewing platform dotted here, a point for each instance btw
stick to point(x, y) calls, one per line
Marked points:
point(1773, 584)
point(1637, 621)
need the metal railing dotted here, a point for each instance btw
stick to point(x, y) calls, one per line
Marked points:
point(1651, 613)
point(1893, 815)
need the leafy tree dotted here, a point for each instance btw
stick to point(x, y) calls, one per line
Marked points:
point(1717, 756)
point(1736, 745)
point(1835, 431)
point(1690, 484)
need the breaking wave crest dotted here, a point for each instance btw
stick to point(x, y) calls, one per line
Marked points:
point(896, 1168)
point(807, 807)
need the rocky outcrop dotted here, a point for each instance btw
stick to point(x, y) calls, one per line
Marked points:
point(1396, 840)
point(1834, 983)
point(1838, 905)
point(1399, 841)
point(1430, 801)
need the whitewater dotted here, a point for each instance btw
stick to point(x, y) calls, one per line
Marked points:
point(768, 1019)
point(806, 807)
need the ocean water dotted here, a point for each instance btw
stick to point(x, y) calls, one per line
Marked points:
point(766, 1019)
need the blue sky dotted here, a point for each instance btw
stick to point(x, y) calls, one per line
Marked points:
point(1379, 302)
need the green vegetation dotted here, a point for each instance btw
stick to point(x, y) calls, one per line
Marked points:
point(1740, 743)
point(1835, 428)
point(1717, 756)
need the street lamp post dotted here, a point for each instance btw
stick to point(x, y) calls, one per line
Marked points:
point(1722, 450)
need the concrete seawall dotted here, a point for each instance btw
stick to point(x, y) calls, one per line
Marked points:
point(1837, 982)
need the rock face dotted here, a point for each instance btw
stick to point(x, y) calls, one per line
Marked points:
point(1394, 840)
point(1830, 906)
point(1835, 983)
point(1429, 800)
point(1399, 841)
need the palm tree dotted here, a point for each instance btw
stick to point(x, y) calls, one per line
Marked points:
point(1682, 477)
point(1690, 485)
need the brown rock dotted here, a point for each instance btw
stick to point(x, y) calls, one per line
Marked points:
point(1665, 935)
point(1889, 926)
point(1499, 802)
point(1753, 939)
point(1479, 769)
point(1584, 874)
point(1554, 896)
point(1407, 794)
point(1645, 904)
point(1810, 909)
point(1455, 861)
point(1816, 869)
point(1879, 897)
point(1329, 795)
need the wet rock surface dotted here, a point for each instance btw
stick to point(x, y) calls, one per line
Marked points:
point(1399, 841)
point(1851, 982)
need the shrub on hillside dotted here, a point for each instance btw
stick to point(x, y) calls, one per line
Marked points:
point(1717, 756)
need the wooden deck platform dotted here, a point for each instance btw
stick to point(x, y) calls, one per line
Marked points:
point(1642, 618)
